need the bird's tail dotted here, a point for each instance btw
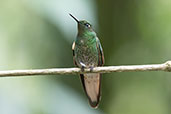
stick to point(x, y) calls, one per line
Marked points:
point(91, 83)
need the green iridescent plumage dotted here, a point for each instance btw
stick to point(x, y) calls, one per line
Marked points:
point(88, 53)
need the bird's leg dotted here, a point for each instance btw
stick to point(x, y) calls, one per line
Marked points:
point(82, 68)
point(91, 69)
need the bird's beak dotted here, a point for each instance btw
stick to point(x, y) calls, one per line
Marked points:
point(74, 18)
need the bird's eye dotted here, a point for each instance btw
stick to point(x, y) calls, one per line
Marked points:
point(87, 25)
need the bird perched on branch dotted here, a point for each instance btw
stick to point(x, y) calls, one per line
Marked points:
point(88, 53)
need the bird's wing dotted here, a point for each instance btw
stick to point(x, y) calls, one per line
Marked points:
point(73, 53)
point(101, 60)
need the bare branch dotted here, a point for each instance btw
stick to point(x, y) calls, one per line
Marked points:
point(106, 69)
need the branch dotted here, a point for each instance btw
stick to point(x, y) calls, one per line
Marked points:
point(106, 69)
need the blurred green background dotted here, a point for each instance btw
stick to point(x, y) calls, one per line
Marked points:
point(39, 34)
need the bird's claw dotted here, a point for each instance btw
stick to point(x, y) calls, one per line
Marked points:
point(91, 69)
point(82, 68)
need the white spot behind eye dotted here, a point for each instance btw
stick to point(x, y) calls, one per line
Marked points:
point(87, 25)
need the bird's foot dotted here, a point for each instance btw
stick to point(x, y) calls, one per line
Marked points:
point(91, 69)
point(82, 68)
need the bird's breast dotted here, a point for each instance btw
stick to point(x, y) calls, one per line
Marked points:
point(86, 55)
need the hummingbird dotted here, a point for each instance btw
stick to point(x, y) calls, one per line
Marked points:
point(88, 53)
